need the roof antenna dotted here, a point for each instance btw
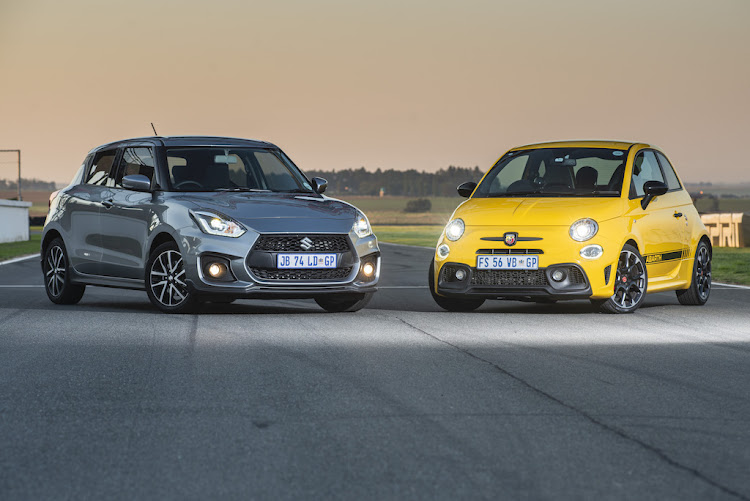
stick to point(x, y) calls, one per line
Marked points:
point(152, 126)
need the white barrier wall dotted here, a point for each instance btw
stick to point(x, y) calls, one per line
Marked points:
point(725, 230)
point(14, 221)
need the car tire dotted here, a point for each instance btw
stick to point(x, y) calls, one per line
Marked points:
point(165, 280)
point(700, 282)
point(57, 284)
point(447, 303)
point(630, 292)
point(344, 303)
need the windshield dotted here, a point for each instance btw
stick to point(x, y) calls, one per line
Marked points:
point(233, 169)
point(564, 172)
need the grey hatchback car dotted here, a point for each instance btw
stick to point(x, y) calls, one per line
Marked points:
point(192, 219)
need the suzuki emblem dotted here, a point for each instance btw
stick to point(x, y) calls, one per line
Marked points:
point(306, 243)
point(510, 238)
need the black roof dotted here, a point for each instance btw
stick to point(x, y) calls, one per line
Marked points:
point(190, 141)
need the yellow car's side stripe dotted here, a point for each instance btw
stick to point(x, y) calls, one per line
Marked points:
point(667, 256)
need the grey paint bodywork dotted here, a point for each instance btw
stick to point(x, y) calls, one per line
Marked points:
point(110, 232)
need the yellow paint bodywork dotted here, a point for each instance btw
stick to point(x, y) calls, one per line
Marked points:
point(655, 231)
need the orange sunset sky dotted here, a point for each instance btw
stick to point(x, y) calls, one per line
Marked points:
point(389, 84)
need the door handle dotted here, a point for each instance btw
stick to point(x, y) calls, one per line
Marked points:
point(108, 204)
point(678, 214)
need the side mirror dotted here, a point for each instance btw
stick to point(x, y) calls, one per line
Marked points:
point(652, 189)
point(466, 189)
point(137, 182)
point(319, 184)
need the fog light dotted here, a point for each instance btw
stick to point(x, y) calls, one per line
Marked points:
point(591, 252)
point(368, 269)
point(217, 270)
point(460, 274)
point(558, 276)
point(443, 251)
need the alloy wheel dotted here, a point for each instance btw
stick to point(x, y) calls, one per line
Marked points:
point(703, 272)
point(54, 272)
point(167, 276)
point(630, 282)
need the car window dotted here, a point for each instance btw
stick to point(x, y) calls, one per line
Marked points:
point(672, 181)
point(512, 172)
point(645, 168)
point(276, 174)
point(80, 174)
point(101, 167)
point(232, 169)
point(575, 172)
point(135, 161)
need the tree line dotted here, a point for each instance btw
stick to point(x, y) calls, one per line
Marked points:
point(27, 184)
point(411, 183)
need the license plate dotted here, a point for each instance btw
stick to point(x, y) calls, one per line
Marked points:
point(507, 262)
point(306, 261)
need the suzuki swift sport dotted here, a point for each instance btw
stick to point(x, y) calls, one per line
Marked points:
point(605, 221)
point(193, 219)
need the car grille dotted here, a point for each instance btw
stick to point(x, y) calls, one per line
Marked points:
point(509, 278)
point(293, 243)
point(298, 275)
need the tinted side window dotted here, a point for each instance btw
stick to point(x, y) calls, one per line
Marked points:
point(645, 168)
point(101, 167)
point(136, 161)
point(672, 181)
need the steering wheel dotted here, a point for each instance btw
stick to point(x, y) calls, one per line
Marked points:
point(186, 182)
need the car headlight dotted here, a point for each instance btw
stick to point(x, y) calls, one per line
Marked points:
point(455, 229)
point(583, 229)
point(362, 226)
point(216, 224)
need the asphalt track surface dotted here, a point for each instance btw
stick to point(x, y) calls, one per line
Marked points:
point(277, 400)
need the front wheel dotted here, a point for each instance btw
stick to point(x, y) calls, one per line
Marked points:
point(631, 280)
point(448, 303)
point(57, 282)
point(344, 303)
point(700, 285)
point(165, 280)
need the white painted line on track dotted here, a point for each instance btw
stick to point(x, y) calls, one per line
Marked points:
point(731, 286)
point(19, 259)
point(18, 286)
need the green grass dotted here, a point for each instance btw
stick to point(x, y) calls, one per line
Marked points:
point(731, 265)
point(388, 211)
point(16, 249)
point(723, 205)
point(423, 235)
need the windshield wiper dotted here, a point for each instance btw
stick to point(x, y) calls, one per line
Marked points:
point(240, 189)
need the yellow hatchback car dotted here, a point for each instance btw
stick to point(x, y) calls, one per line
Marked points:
point(598, 220)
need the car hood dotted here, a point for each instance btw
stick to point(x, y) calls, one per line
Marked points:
point(547, 211)
point(278, 212)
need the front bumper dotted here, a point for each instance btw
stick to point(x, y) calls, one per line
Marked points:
point(554, 248)
point(244, 276)
point(513, 284)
